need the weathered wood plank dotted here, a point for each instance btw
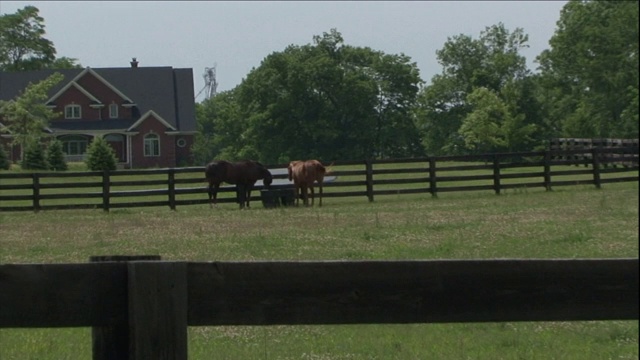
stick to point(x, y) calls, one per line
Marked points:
point(424, 180)
point(401, 191)
point(270, 293)
point(62, 295)
point(157, 310)
point(112, 341)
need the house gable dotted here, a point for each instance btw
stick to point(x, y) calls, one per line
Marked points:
point(90, 72)
point(100, 93)
point(151, 115)
point(65, 89)
point(151, 124)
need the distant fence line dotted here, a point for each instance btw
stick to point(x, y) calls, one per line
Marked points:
point(141, 307)
point(431, 178)
point(595, 143)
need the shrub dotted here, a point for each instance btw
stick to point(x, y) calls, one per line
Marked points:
point(100, 156)
point(55, 156)
point(33, 157)
point(5, 164)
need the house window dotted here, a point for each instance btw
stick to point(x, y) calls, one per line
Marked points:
point(72, 112)
point(181, 142)
point(74, 145)
point(151, 145)
point(113, 111)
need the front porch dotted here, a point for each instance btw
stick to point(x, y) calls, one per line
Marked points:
point(74, 146)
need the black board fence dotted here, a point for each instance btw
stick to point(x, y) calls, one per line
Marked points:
point(433, 175)
point(598, 143)
point(140, 307)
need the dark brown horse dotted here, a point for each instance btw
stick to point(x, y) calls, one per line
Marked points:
point(243, 174)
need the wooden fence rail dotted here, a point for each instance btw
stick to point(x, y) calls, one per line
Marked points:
point(140, 308)
point(173, 187)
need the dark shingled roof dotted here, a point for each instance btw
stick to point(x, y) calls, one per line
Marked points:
point(165, 90)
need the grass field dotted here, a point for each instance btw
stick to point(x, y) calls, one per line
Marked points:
point(571, 222)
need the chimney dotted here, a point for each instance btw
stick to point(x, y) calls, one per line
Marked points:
point(134, 63)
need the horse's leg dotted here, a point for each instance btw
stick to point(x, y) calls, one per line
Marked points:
point(313, 196)
point(241, 194)
point(249, 187)
point(305, 195)
point(210, 192)
point(296, 188)
point(213, 194)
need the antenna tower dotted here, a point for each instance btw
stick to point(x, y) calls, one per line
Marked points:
point(210, 82)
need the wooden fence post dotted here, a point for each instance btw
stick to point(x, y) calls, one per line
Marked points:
point(496, 173)
point(112, 342)
point(369, 170)
point(36, 192)
point(106, 189)
point(432, 177)
point(547, 169)
point(157, 310)
point(172, 188)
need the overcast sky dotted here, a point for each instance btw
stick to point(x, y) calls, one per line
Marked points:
point(236, 36)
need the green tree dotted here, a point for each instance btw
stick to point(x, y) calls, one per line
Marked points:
point(590, 72)
point(55, 156)
point(26, 117)
point(491, 126)
point(64, 63)
point(326, 100)
point(23, 46)
point(100, 156)
point(491, 62)
point(5, 164)
point(220, 129)
point(34, 157)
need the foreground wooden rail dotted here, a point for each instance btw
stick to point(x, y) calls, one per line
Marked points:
point(140, 309)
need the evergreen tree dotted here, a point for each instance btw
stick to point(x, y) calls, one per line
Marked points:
point(5, 164)
point(34, 158)
point(55, 156)
point(100, 156)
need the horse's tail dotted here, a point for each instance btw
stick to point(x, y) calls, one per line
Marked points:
point(290, 168)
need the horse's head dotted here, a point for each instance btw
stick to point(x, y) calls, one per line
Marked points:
point(267, 178)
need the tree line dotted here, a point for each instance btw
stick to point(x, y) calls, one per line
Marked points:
point(334, 101)
point(330, 100)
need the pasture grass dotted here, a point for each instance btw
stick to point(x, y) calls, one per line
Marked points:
point(570, 222)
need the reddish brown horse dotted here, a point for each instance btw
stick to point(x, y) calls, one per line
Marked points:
point(304, 174)
point(243, 174)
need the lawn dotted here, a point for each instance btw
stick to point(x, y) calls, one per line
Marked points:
point(569, 222)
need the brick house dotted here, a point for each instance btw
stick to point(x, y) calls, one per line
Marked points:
point(147, 114)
